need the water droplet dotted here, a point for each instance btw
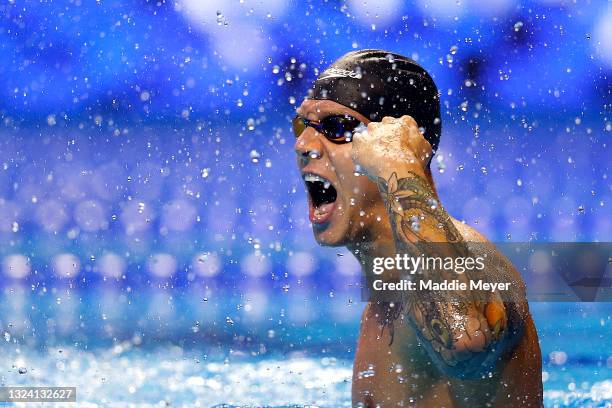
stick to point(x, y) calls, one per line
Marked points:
point(220, 18)
point(441, 166)
point(366, 373)
point(518, 25)
point(254, 155)
point(251, 124)
point(414, 223)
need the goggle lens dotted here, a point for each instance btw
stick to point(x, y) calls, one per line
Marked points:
point(336, 128)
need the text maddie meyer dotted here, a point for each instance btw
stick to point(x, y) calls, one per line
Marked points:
point(414, 264)
point(452, 285)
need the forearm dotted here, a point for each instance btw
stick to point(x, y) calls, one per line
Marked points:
point(462, 333)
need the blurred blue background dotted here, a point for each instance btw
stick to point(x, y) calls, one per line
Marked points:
point(147, 180)
point(138, 127)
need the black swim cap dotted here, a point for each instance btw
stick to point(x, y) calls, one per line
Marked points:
point(379, 83)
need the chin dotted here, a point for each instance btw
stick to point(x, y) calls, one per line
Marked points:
point(335, 234)
point(330, 239)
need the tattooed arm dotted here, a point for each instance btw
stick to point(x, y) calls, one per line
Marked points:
point(465, 335)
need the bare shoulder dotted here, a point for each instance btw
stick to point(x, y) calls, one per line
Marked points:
point(468, 233)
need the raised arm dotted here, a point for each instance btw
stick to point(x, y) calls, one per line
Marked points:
point(464, 335)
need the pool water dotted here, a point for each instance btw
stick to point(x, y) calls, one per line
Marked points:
point(186, 356)
point(171, 376)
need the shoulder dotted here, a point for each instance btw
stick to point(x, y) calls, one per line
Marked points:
point(468, 233)
point(503, 266)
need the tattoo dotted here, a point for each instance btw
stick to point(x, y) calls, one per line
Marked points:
point(457, 332)
point(386, 313)
point(410, 200)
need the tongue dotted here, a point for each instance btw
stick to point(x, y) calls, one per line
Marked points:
point(321, 213)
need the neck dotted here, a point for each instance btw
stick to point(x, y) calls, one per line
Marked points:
point(378, 241)
point(367, 249)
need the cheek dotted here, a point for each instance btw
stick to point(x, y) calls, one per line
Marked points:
point(369, 189)
point(361, 189)
point(342, 163)
point(364, 190)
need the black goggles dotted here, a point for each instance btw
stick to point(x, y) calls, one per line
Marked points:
point(336, 128)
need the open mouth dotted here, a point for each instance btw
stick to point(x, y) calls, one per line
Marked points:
point(322, 198)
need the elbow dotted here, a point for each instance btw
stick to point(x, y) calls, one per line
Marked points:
point(476, 356)
point(474, 348)
point(467, 365)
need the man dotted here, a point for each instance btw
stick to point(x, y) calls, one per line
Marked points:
point(423, 350)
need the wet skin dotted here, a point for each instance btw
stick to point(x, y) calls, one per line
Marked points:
point(398, 369)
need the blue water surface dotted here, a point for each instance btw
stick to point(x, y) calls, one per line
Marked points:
point(165, 348)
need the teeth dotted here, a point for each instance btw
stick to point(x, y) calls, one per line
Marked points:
point(313, 177)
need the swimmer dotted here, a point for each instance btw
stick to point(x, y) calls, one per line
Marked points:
point(365, 136)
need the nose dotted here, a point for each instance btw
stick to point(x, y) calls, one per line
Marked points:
point(308, 146)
